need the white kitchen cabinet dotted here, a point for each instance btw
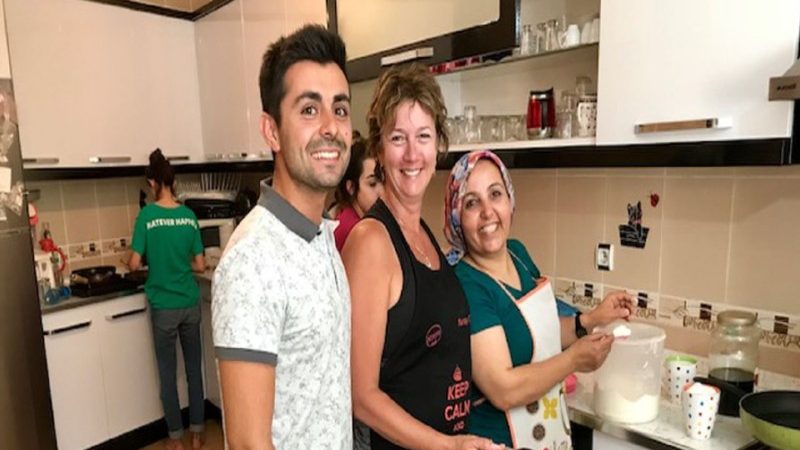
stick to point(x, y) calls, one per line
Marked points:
point(263, 23)
point(98, 81)
point(103, 371)
point(5, 68)
point(130, 372)
point(231, 43)
point(72, 343)
point(220, 68)
point(694, 59)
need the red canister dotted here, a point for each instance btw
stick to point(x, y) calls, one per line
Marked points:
point(541, 114)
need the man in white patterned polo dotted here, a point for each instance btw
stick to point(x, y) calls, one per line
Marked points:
point(281, 304)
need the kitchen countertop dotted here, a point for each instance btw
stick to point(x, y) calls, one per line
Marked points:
point(77, 302)
point(665, 432)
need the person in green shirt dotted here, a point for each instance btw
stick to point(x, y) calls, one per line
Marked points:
point(518, 326)
point(167, 233)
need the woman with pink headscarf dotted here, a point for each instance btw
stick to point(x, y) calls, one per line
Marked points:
point(518, 327)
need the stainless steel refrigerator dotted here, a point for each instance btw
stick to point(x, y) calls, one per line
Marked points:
point(26, 415)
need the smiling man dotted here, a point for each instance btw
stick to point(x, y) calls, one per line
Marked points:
point(281, 304)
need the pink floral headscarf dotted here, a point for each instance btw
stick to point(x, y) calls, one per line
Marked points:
point(455, 190)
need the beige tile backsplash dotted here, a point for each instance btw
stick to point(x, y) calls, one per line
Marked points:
point(697, 214)
point(580, 208)
point(765, 246)
point(724, 236)
point(88, 211)
point(535, 218)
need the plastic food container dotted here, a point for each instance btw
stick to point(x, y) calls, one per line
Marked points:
point(628, 385)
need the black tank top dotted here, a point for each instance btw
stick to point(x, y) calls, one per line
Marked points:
point(425, 365)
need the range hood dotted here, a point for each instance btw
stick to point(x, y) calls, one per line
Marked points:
point(786, 87)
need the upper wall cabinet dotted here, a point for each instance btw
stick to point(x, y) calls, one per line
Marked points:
point(96, 84)
point(380, 33)
point(220, 64)
point(689, 70)
point(5, 68)
point(231, 42)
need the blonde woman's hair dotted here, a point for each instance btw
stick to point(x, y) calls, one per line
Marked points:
point(399, 84)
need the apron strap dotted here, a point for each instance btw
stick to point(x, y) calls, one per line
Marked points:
point(503, 285)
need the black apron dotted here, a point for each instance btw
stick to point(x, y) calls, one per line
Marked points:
point(425, 365)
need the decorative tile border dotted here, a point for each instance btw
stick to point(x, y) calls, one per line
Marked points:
point(96, 249)
point(115, 246)
point(778, 330)
point(580, 294)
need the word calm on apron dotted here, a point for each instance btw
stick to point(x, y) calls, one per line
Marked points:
point(543, 424)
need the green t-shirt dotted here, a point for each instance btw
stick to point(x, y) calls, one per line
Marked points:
point(490, 306)
point(169, 238)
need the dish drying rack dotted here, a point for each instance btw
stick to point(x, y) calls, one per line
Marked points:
point(215, 186)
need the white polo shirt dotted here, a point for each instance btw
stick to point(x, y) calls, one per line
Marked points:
point(280, 297)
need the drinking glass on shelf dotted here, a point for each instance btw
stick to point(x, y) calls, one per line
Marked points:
point(564, 120)
point(460, 126)
point(551, 36)
point(569, 101)
point(539, 41)
point(521, 131)
point(496, 128)
point(489, 129)
point(452, 130)
point(525, 42)
point(472, 127)
point(583, 85)
point(509, 130)
point(595, 35)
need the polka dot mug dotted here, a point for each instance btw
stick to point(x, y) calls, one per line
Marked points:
point(700, 403)
point(681, 370)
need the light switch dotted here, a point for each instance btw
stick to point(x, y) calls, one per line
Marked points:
point(604, 257)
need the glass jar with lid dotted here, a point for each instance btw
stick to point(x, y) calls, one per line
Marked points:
point(733, 354)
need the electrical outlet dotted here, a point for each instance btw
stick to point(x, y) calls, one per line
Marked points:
point(604, 257)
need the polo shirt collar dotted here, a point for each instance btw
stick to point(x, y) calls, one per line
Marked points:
point(286, 213)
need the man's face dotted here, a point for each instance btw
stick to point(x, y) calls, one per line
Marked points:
point(315, 132)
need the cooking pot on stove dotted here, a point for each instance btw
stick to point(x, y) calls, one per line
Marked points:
point(93, 275)
point(139, 276)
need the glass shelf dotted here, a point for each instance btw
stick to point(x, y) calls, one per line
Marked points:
point(516, 58)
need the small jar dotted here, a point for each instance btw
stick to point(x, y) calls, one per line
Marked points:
point(733, 354)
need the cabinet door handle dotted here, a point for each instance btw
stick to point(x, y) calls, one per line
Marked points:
point(109, 159)
point(711, 123)
point(408, 55)
point(76, 326)
point(132, 312)
point(178, 158)
point(45, 160)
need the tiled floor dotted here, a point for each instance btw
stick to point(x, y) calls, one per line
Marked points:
point(214, 439)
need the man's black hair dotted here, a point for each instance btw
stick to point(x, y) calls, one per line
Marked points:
point(310, 43)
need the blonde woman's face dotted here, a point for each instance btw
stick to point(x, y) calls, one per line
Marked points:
point(408, 156)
